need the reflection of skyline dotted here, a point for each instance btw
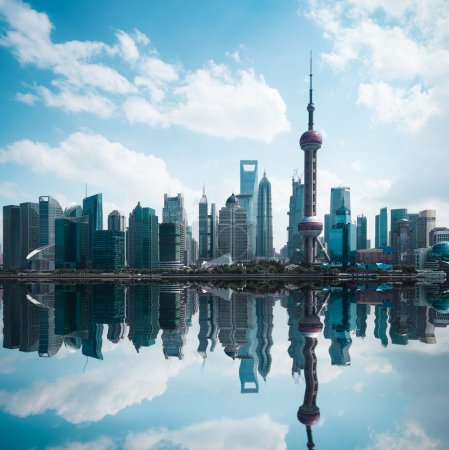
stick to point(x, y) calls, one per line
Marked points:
point(41, 318)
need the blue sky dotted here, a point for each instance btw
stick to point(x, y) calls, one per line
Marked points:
point(164, 96)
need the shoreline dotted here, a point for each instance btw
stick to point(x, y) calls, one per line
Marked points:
point(131, 277)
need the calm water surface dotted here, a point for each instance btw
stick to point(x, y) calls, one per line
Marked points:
point(176, 367)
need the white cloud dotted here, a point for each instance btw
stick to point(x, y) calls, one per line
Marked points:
point(407, 436)
point(378, 366)
point(357, 165)
point(359, 387)
point(102, 443)
point(211, 100)
point(253, 433)
point(398, 51)
point(118, 172)
point(27, 98)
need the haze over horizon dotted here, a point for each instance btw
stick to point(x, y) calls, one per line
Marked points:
point(165, 97)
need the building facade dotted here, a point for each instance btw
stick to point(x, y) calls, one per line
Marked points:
point(11, 237)
point(143, 238)
point(116, 221)
point(425, 224)
point(362, 243)
point(295, 214)
point(264, 235)
point(109, 250)
point(72, 242)
point(232, 230)
point(29, 225)
point(403, 242)
point(170, 237)
point(49, 210)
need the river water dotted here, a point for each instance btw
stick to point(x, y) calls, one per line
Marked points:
point(175, 366)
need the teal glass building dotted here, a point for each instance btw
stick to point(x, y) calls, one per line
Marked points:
point(72, 242)
point(143, 238)
point(108, 250)
point(295, 214)
point(49, 210)
point(29, 225)
point(170, 245)
point(11, 237)
point(264, 235)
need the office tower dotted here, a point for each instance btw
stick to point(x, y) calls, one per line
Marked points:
point(264, 234)
point(438, 234)
point(116, 221)
point(108, 250)
point(72, 242)
point(310, 226)
point(295, 214)
point(143, 238)
point(73, 211)
point(425, 224)
point(395, 215)
point(340, 196)
point(93, 208)
point(203, 225)
point(49, 210)
point(208, 322)
point(343, 237)
point(232, 230)
point(383, 227)
point(11, 237)
point(248, 200)
point(174, 212)
point(361, 233)
point(191, 244)
point(376, 230)
point(413, 219)
point(213, 220)
point(264, 315)
point(170, 236)
point(402, 240)
point(327, 227)
point(29, 225)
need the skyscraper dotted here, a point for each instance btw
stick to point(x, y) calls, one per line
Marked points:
point(29, 224)
point(143, 238)
point(174, 212)
point(395, 216)
point(264, 243)
point(340, 196)
point(204, 228)
point(232, 230)
point(343, 239)
point(248, 199)
point(213, 249)
point(376, 230)
point(310, 226)
point(402, 240)
point(72, 242)
point(426, 223)
point(108, 250)
point(383, 227)
point(49, 210)
point(116, 221)
point(361, 232)
point(170, 235)
point(295, 214)
point(11, 237)
point(93, 208)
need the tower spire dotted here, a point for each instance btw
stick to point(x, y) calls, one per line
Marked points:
point(310, 106)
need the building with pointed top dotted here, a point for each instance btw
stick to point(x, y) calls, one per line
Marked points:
point(264, 234)
point(295, 214)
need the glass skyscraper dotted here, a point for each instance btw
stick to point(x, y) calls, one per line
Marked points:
point(143, 238)
point(11, 237)
point(361, 232)
point(170, 245)
point(49, 210)
point(174, 212)
point(204, 228)
point(395, 216)
point(340, 196)
point(109, 250)
point(29, 224)
point(383, 227)
point(116, 221)
point(248, 199)
point(295, 214)
point(264, 235)
point(72, 242)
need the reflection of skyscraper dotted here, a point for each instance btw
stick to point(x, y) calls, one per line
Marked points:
point(108, 303)
point(264, 234)
point(143, 315)
point(362, 315)
point(172, 320)
point(264, 315)
point(208, 322)
point(380, 324)
point(12, 303)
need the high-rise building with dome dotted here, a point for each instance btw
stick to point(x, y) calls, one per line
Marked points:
point(233, 230)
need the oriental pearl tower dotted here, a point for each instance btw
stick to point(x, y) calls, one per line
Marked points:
point(310, 227)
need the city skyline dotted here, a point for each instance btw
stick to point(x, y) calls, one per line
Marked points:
point(128, 87)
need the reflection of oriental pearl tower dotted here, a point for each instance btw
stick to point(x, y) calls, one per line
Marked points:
point(310, 326)
point(310, 227)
